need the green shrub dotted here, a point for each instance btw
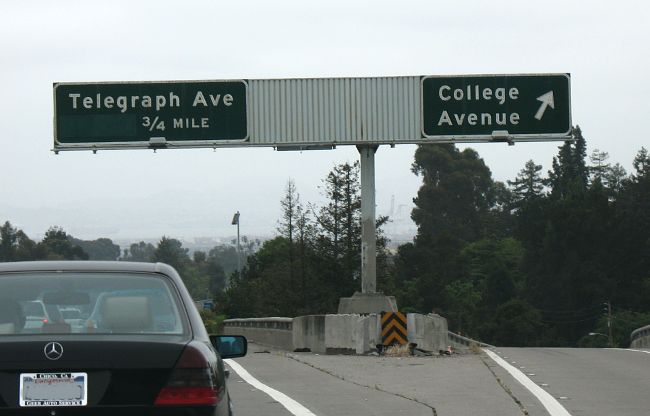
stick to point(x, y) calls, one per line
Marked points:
point(213, 322)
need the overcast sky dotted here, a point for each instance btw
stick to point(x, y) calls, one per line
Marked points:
point(193, 193)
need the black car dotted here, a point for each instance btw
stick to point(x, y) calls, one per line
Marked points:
point(137, 345)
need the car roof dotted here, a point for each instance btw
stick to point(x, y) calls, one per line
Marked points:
point(88, 266)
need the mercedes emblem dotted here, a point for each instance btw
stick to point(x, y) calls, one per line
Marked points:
point(53, 351)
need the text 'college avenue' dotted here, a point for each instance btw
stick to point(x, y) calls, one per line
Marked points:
point(477, 93)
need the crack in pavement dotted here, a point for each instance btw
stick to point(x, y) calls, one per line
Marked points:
point(504, 387)
point(376, 387)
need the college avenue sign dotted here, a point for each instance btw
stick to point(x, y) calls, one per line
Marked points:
point(315, 113)
point(496, 105)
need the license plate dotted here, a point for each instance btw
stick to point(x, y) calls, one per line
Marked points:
point(53, 389)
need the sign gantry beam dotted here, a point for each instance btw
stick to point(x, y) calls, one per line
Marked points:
point(312, 113)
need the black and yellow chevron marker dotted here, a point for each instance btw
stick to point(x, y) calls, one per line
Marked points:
point(393, 328)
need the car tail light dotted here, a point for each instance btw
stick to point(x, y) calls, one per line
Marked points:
point(192, 382)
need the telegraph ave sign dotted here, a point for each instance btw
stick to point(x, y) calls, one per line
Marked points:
point(496, 105)
point(125, 114)
point(312, 113)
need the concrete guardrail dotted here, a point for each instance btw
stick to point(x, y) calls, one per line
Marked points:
point(336, 333)
point(640, 338)
point(272, 331)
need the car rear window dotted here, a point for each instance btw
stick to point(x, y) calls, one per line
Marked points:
point(89, 303)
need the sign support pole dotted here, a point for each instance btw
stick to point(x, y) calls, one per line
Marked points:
point(368, 300)
point(368, 229)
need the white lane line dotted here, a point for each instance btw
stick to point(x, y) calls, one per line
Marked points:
point(630, 349)
point(291, 405)
point(552, 406)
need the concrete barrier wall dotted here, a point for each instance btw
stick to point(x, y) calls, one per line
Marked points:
point(429, 332)
point(640, 338)
point(368, 333)
point(341, 332)
point(274, 332)
point(309, 333)
point(336, 334)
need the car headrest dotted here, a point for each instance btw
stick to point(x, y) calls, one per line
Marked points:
point(11, 313)
point(127, 314)
point(7, 328)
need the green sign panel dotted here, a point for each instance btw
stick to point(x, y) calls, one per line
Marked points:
point(496, 106)
point(108, 115)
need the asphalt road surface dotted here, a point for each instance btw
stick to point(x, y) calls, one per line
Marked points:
point(582, 381)
point(590, 382)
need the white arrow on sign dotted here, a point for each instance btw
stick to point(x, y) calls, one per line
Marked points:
point(547, 100)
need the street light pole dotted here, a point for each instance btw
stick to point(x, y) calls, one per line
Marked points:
point(235, 221)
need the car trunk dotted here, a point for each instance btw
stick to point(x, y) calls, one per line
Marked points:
point(121, 370)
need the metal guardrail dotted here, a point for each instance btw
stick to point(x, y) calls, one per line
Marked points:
point(640, 333)
point(262, 323)
point(459, 339)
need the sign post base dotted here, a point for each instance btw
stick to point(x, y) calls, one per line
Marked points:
point(364, 303)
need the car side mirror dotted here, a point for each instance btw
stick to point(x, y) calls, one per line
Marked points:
point(229, 346)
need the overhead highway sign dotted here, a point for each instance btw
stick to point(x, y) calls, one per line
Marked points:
point(496, 106)
point(134, 114)
point(317, 113)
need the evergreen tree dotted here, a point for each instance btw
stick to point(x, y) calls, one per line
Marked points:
point(199, 257)
point(172, 252)
point(499, 223)
point(528, 184)
point(599, 166)
point(632, 236)
point(339, 229)
point(517, 324)
point(100, 249)
point(15, 245)
point(8, 239)
point(456, 195)
point(56, 245)
point(568, 240)
point(641, 164)
point(454, 207)
point(579, 159)
point(139, 252)
point(305, 233)
point(216, 275)
point(570, 174)
point(291, 209)
point(26, 248)
point(614, 177)
point(226, 256)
